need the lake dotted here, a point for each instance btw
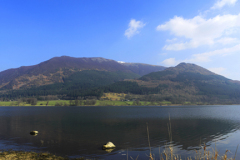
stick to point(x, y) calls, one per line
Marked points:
point(81, 131)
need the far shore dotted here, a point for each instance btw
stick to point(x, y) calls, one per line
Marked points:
point(97, 103)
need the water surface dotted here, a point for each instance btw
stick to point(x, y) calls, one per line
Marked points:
point(81, 131)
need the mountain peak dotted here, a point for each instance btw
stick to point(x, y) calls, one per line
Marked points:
point(180, 69)
point(189, 67)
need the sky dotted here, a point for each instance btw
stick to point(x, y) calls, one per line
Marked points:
point(157, 32)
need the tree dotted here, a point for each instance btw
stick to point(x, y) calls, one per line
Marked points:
point(32, 101)
point(19, 102)
point(76, 102)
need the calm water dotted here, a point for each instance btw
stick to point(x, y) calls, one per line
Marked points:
point(81, 131)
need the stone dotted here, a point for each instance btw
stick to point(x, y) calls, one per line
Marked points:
point(34, 132)
point(109, 145)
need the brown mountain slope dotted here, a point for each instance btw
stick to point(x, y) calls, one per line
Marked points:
point(58, 68)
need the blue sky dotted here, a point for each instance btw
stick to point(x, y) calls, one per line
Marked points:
point(155, 32)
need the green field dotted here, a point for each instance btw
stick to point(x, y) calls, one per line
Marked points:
point(98, 103)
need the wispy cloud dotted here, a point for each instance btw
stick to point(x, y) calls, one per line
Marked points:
point(134, 27)
point(228, 40)
point(199, 31)
point(221, 3)
point(206, 56)
point(170, 62)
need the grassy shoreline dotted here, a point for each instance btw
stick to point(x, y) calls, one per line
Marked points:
point(29, 155)
point(98, 103)
point(167, 154)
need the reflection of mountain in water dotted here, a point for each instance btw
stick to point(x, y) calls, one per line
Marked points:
point(82, 131)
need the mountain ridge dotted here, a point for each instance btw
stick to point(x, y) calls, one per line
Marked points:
point(57, 68)
point(189, 67)
point(185, 82)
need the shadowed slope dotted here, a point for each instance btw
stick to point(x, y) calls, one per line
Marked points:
point(185, 82)
point(56, 69)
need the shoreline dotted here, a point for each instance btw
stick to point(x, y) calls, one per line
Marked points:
point(201, 154)
point(172, 105)
point(31, 155)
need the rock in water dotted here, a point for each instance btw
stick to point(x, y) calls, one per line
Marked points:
point(109, 145)
point(34, 132)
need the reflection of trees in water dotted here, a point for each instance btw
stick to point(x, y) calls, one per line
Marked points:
point(68, 133)
point(185, 132)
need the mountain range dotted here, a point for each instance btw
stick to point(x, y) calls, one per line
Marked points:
point(58, 68)
point(71, 78)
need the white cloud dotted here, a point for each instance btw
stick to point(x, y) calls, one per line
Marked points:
point(206, 57)
point(218, 70)
point(199, 31)
point(120, 62)
point(221, 3)
point(219, 33)
point(179, 46)
point(171, 40)
point(134, 27)
point(170, 62)
point(228, 40)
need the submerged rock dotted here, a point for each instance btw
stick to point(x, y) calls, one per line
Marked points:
point(109, 145)
point(34, 133)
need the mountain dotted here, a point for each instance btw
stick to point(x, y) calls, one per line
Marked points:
point(143, 69)
point(183, 83)
point(57, 69)
point(175, 72)
point(70, 78)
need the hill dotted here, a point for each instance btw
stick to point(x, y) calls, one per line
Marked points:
point(68, 76)
point(180, 84)
point(58, 68)
point(184, 84)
